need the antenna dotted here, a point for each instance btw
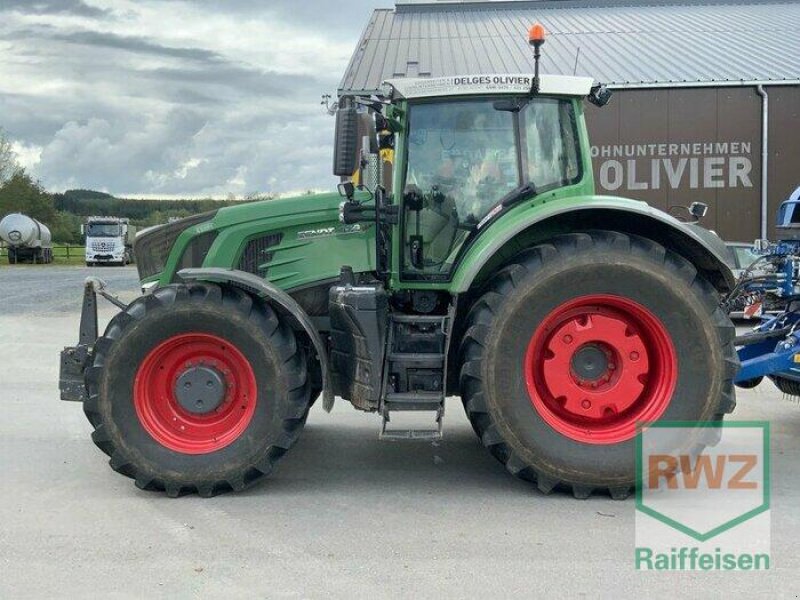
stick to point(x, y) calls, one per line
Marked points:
point(577, 58)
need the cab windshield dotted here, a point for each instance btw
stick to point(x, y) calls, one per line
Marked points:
point(103, 230)
point(465, 157)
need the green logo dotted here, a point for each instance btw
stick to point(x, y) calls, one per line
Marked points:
point(703, 493)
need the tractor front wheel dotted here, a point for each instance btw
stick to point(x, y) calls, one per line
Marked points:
point(197, 389)
point(578, 342)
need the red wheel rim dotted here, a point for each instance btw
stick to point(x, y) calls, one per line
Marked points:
point(170, 423)
point(598, 365)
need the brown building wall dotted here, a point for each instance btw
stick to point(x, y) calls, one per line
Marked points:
point(783, 169)
point(671, 147)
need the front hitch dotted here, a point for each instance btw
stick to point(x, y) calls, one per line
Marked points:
point(75, 359)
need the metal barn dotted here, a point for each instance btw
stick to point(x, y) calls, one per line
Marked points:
point(707, 94)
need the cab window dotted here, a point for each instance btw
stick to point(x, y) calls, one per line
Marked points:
point(462, 160)
point(464, 157)
point(551, 143)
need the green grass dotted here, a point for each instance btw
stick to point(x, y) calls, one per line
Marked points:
point(72, 260)
point(61, 257)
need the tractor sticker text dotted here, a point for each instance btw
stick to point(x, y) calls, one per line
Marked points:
point(329, 231)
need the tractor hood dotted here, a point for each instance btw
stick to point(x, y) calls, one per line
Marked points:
point(292, 242)
point(306, 206)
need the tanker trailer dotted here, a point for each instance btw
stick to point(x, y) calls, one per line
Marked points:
point(27, 239)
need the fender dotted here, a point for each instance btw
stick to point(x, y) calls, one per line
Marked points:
point(274, 295)
point(698, 245)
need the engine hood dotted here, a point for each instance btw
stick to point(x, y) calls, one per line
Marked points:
point(310, 207)
point(292, 242)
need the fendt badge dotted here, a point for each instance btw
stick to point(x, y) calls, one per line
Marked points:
point(329, 231)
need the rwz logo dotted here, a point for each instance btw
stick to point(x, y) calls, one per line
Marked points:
point(703, 480)
point(717, 472)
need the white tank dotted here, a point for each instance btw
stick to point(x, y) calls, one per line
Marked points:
point(21, 231)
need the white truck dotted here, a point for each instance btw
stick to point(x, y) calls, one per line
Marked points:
point(109, 241)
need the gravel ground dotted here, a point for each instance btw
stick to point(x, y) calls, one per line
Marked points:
point(344, 515)
point(42, 290)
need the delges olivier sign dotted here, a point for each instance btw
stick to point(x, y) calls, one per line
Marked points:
point(703, 509)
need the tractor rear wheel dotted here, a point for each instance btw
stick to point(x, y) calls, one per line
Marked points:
point(197, 389)
point(581, 339)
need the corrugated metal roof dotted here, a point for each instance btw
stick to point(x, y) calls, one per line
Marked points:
point(617, 43)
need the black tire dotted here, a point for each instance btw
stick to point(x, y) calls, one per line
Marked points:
point(501, 323)
point(248, 325)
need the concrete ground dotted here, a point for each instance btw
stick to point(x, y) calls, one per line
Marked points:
point(344, 515)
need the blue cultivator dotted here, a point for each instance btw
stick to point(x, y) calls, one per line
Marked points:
point(773, 348)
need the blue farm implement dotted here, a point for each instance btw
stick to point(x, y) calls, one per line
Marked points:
point(773, 348)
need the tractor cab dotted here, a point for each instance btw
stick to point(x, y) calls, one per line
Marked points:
point(471, 153)
point(444, 157)
point(455, 153)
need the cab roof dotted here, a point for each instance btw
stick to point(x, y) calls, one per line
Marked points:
point(498, 84)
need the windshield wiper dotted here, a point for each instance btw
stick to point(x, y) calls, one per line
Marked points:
point(523, 192)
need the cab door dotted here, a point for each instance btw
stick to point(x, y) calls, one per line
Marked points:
point(461, 160)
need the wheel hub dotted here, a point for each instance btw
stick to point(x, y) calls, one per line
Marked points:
point(200, 390)
point(598, 365)
point(590, 363)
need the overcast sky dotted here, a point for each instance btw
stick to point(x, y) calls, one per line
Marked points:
point(175, 97)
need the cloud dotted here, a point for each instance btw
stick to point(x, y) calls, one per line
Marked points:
point(239, 77)
point(133, 44)
point(28, 156)
point(53, 7)
point(339, 20)
point(187, 97)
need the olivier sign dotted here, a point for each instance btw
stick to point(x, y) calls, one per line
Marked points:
point(657, 166)
point(703, 509)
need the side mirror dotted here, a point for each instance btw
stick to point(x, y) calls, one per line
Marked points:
point(600, 95)
point(347, 190)
point(698, 209)
point(83, 229)
point(345, 157)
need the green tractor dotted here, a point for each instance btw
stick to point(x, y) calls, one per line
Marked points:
point(466, 254)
